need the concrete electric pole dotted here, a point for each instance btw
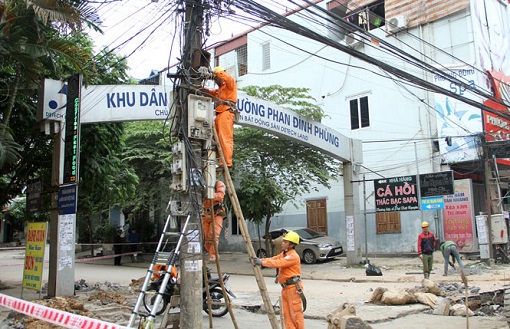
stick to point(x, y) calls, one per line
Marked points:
point(188, 164)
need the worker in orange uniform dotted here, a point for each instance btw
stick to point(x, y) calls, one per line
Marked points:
point(159, 270)
point(289, 263)
point(218, 211)
point(225, 98)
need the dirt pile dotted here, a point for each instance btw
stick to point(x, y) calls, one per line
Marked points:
point(104, 301)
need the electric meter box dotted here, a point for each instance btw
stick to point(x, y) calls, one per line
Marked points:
point(499, 229)
point(200, 117)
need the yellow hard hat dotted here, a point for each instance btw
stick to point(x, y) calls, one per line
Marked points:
point(424, 224)
point(218, 69)
point(291, 237)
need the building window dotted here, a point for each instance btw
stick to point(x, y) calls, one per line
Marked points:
point(266, 56)
point(359, 113)
point(242, 60)
point(368, 18)
point(387, 222)
point(234, 227)
point(235, 61)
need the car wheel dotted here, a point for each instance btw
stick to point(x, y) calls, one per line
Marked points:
point(261, 253)
point(309, 257)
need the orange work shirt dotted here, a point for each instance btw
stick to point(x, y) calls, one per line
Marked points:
point(288, 262)
point(219, 195)
point(227, 91)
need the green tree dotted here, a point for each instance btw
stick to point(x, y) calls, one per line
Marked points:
point(272, 170)
point(149, 154)
point(33, 37)
point(105, 180)
point(30, 41)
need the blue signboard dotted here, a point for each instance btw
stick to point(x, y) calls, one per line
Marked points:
point(432, 203)
point(67, 197)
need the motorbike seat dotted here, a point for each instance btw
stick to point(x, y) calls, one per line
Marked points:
point(214, 278)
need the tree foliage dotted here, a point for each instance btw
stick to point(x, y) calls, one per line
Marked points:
point(273, 170)
point(296, 99)
point(149, 154)
point(31, 40)
point(44, 39)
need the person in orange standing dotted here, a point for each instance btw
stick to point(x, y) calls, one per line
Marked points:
point(289, 263)
point(225, 99)
point(218, 211)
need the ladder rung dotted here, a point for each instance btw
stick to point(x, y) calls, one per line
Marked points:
point(172, 233)
point(163, 257)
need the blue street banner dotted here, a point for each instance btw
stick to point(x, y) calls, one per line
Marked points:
point(432, 203)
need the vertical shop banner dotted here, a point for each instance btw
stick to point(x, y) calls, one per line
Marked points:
point(458, 122)
point(491, 30)
point(34, 192)
point(34, 256)
point(72, 132)
point(458, 216)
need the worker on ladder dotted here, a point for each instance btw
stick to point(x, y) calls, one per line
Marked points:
point(213, 209)
point(225, 98)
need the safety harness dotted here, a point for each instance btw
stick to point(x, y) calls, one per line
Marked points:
point(233, 109)
point(294, 280)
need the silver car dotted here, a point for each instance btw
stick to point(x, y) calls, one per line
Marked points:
point(313, 245)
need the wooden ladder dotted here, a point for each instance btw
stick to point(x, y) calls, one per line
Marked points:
point(246, 236)
point(210, 304)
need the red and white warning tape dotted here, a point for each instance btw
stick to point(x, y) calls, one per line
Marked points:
point(58, 317)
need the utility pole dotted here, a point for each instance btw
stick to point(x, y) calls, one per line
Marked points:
point(418, 187)
point(487, 179)
point(192, 176)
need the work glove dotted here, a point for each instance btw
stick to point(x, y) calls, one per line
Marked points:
point(257, 261)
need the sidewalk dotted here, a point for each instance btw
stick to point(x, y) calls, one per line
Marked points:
point(327, 286)
point(333, 283)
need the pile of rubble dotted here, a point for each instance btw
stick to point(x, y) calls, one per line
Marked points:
point(90, 297)
point(447, 299)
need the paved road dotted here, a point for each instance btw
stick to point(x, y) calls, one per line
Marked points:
point(327, 286)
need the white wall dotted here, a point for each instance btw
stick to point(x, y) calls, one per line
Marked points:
point(397, 112)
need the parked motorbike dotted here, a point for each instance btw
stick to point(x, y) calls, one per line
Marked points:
point(218, 306)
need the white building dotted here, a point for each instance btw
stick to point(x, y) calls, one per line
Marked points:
point(405, 129)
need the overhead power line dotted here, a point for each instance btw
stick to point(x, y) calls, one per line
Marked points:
point(275, 19)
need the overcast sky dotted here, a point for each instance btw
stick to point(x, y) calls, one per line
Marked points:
point(123, 26)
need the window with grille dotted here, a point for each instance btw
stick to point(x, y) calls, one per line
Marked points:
point(235, 62)
point(266, 56)
point(348, 17)
point(359, 113)
point(387, 222)
point(242, 60)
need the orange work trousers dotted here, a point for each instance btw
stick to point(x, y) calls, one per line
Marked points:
point(292, 306)
point(224, 124)
point(208, 233)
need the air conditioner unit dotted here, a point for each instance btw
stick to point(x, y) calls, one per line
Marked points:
point(396, 23)
point(353, 40)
